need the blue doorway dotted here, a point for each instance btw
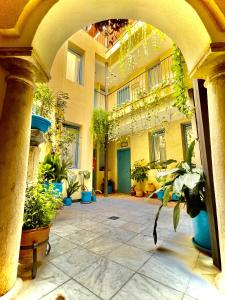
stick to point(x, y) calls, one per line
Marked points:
point(123, 170)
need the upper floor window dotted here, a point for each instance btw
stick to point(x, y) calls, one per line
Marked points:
point(186, 136)
point(72, 149)
point(123, 95)
point(158, 146)
point(74, 70)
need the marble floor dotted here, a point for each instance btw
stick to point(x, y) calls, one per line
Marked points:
point(94, 257)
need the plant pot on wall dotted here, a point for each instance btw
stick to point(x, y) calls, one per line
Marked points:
point(201, 239)
point(40, 123)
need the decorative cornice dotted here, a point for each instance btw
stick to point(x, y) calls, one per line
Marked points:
point(19, 55)
point(16, 51)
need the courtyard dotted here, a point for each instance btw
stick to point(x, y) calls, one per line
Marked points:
point(95, 256)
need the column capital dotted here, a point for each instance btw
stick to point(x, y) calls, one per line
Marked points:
point(23, 60)
point(217, 74)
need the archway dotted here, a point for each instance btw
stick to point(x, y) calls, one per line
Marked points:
point(27, 34)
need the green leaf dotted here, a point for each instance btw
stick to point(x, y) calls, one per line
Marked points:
point(176, 215)
point(155, 225)
point(189, 153)
point(166, 196)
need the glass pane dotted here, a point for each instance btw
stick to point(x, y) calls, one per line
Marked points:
point(74, 67)
point(159, 147)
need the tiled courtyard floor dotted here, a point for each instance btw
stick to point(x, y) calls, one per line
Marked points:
point(94, 257)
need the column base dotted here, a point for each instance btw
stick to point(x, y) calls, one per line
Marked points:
point(220, 282)
point(13, 293)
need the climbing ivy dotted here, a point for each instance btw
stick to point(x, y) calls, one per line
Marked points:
point(180, 89)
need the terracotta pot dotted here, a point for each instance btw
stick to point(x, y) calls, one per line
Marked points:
point(139, 193)
point(39, 236)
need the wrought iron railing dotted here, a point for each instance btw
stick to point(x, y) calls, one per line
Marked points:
point(159, 75)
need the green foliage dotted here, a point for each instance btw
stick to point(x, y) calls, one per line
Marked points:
point(84, 175)
point(41, 205)
point(100, 125)
point(44, 100)
point(188, 182)
point(73, 185)
point(52, 169)
point(180, 89)
point(140, 170)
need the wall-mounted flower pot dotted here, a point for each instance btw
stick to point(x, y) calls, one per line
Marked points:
point(93, 198)
point(201, 239)
point(40, 123)
point(85, 197)
point(67, 201)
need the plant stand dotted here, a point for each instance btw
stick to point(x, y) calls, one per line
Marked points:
point(34, 248)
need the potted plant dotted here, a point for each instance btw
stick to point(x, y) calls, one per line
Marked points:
point(43, 105)
point(93, 196)
point(53, 170)
point(85, 194)
point(139, 173)
point(187, 182)
point(110, 186)
point(72, 187)
point(40, 209)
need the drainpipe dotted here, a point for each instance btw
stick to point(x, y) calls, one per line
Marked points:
point(106, 137)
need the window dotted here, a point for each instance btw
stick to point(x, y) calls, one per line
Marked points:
point(72, 149)
point(186, 136)
point(123, 95)
point(74, 71)
point(158, 146)
point(154, 76)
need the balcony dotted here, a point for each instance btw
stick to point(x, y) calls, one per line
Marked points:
point(145, 90)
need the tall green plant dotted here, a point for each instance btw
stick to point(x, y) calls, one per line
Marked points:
point(180, 89)
point(100, 125)
point(43, 101)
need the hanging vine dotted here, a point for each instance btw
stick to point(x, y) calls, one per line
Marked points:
point(180, 89)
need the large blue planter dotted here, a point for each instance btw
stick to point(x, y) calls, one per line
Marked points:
point(201, 238)
point(86, 197)
point(67, 201)
point(40, 123)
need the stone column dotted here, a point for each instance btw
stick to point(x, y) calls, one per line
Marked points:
point(15, 125)
point(216, 104)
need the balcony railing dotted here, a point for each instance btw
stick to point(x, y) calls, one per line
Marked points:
point(141, 86)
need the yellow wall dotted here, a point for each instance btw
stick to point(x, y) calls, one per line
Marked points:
point(140, 148)
point(80, 104)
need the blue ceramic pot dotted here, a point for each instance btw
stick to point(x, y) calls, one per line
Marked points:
point(85, 197)
point(40, 123)
point(93, 198)
point(160, 194)
point(67, 201)
point(110, 189)
point(201, 237)
point(175, 197)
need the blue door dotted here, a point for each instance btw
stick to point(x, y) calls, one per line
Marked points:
point(123, 167)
